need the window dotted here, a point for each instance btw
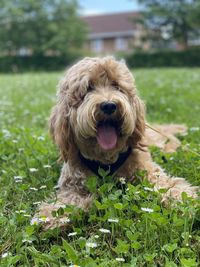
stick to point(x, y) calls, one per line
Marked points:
point(97, 45)
point(120, 44)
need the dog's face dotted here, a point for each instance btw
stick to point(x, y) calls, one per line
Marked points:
point(98, 111)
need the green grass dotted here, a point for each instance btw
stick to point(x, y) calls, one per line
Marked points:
point(165, 236)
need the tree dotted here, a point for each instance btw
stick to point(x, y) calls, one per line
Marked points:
point(40, 26)
point(172, 19)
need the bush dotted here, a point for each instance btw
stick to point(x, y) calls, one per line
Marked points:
point(188, 58)
point(35, 63)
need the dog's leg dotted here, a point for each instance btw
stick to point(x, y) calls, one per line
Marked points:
point(45, 213)
point(71, 192)
point(175, 186)
point(163, 136)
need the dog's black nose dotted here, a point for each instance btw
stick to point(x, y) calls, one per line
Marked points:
point(108, 107)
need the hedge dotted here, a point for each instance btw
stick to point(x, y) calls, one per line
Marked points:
point(188, 58)
point(35, 63)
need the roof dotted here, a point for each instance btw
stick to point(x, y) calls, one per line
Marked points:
point(116, 23)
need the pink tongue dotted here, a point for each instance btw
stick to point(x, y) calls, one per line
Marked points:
point(106, 136)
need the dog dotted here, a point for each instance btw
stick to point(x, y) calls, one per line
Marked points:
point(99, 122)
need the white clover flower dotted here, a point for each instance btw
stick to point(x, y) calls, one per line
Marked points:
point(18, 181)
point(105, 231)
point(6, 133)
point(91, 244)
point(147, 210)
point(72, 234)
point(122, 180)
point(35, 221)
point(47, 166)
point(33, 170)
point(37, 203)
point(27, 241)
point(96, 236)
point(194, 129)
point(22, 211)
point(148, 189)
point(64, 220)
point(120, 259)
point(56, 187)
point(44, 219)
point(6, 254)
point(18, 177)
point(113, 220)
point(33, 189)
point(40, 138)
point(43, 186)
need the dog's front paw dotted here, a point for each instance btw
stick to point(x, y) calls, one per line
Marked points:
point(47, 216)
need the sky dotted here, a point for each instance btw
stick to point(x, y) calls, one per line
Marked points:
point(94, 7)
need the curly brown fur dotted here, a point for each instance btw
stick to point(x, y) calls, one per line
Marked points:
point(75, 126)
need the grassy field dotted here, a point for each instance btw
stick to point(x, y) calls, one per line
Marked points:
point(127, 225)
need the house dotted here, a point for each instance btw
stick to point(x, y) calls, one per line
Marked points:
point(111, 33)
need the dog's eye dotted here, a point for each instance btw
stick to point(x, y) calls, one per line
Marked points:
point(115, 84)
point(90, 87)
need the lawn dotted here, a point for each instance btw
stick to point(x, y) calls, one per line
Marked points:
point(127, 225)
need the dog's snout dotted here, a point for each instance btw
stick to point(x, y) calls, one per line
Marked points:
point(108, 107)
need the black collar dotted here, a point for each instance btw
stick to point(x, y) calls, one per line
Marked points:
point(95, 165)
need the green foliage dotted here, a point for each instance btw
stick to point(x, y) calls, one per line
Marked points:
point(169, 19)
point(117, 230)
point(40, 26)
point(187, 58)
point(37, 62)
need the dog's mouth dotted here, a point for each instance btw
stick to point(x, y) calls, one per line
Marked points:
point(107, 134)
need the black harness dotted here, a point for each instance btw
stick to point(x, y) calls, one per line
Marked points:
point(94, 166)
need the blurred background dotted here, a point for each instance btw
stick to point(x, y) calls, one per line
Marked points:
point(51, 34)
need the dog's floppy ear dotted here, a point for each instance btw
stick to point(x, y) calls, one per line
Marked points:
point(139, 130)
point(59, 126)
